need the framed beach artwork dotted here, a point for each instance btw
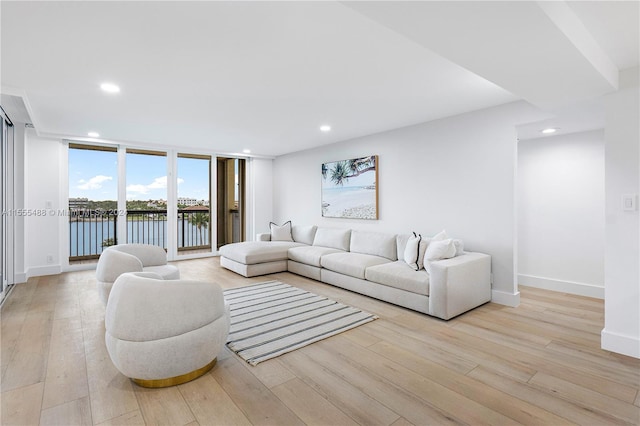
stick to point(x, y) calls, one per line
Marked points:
point(350, 188)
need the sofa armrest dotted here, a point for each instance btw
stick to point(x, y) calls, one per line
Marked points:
point(459, 284)
point(263, 237)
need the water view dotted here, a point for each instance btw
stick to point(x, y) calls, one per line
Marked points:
point(91, 237)
point(94, 182)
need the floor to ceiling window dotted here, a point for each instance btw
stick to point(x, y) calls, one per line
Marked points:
point(93, 195)
point(146, 185)
point(193, 202)
point(122, 195)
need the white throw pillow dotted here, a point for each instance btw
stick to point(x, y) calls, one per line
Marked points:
point(442, 235)
point(281, 232)
point(459, 247)
point(437, 250)
point(412, 251)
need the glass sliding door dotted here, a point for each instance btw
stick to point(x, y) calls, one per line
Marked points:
point(194, 201)
point(6, 204)
point(146, 189)
point(3, 207)
point(230, 200)
point(93, 205)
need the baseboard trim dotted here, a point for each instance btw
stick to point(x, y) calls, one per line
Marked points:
point(571, 287)
point(504, 298)
point(620, 343)
point(40, 271)
point(79, 267)
point(20, 278)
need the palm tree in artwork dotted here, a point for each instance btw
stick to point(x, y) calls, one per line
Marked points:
point(340, 172)
point(343, 170)
point(200, 221)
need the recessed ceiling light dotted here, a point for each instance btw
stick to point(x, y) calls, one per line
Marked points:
point(549, 130)
point(246, 151)
point(110, 88)
point(93, 134)
point(325, 128)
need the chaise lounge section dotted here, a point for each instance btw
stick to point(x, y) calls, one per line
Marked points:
point(374, 264)
point(264, 256)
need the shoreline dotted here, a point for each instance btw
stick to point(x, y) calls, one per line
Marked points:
point(347, 202)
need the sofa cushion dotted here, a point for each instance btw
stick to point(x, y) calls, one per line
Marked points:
point(375, 243)
point(333, 238)
point(438, 250)
point(304, 234)
point(401, 244)
point(251, 252)
point(281, 232)
point(310, 255)
point(352, 264)
point(399, 275)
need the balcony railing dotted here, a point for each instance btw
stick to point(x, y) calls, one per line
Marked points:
point(91, 231)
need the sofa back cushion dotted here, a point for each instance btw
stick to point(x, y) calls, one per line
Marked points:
point(332, 238)
point(401, 244)
point(374, 243)
point(304, 234)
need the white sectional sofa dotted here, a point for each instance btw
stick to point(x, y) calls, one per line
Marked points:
point(370, 263)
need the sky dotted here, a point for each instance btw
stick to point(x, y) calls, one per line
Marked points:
point(94, 175)
point(365, 179)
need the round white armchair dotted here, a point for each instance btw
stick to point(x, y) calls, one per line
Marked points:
point(116, 260)
point(164, 332)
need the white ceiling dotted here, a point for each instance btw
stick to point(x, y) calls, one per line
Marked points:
point(614, 26)
point(228, 76)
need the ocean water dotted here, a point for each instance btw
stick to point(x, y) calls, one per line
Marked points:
point(86, 238)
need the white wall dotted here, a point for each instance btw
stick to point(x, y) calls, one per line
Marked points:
point(457, 173)
point(622, 242)
point(561, 213)
point(43, 158)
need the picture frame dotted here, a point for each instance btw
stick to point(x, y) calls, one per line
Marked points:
point(350, 188)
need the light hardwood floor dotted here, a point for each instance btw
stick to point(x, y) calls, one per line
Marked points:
point(540, 363)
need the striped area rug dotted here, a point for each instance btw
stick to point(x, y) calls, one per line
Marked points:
point(273, 318)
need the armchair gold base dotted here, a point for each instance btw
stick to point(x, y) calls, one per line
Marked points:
point(178, 380)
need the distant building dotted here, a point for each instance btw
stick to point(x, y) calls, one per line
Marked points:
point(187, 201)
point(192, 202)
